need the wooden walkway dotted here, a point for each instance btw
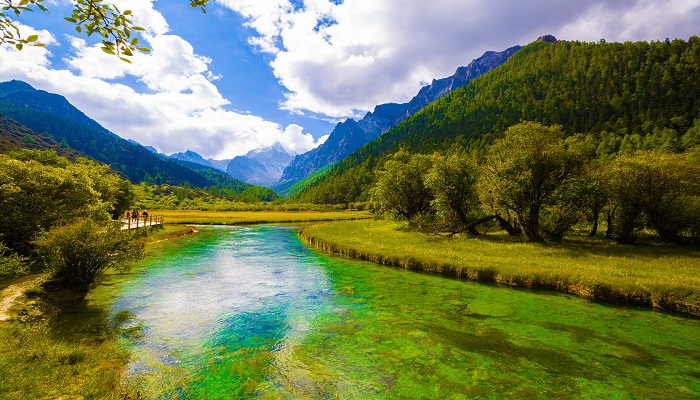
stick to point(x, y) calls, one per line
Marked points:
point(141, 222)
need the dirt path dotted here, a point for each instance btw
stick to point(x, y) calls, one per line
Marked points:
point(14, 291)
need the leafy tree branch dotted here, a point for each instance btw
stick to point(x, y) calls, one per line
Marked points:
point(104, 19)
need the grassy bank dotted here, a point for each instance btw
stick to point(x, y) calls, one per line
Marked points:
point(57, 346)
point(254, 217)
point(652, 274)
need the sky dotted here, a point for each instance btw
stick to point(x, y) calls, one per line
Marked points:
point(250, 73)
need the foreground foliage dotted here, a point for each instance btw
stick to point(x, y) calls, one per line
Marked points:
point(653, 274)
point(114, 27)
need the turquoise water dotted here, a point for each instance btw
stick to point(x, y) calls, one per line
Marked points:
point(250, 312)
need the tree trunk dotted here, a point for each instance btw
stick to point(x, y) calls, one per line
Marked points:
point(596, 216)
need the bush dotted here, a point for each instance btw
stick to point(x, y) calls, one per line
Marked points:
point(76, 253)
point(11, 265)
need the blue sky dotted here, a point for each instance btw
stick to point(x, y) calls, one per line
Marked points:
point(250, 73)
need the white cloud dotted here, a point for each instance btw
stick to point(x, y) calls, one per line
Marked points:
point(180, 108)
point(335, 59)
point(343, 59)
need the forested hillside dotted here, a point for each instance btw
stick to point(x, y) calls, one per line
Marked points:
point(24, 111)
point(15, 136)
point(132, 160)
point(622, 96)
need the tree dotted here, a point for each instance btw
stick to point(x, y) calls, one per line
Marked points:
point(526, 170)
point(400, 188)
point(39, 190)
point(89, 17)
point(452, 182)
point(76, 253)
point(655, 189)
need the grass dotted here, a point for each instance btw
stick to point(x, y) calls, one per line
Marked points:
point(254, 217)
point(653, 274)
point(168, 232)
point(36, 365)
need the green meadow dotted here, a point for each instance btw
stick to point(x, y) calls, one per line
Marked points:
point(255, 217)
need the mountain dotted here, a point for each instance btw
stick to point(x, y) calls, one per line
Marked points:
point(194, 157)
point(191, 156)
point(24, 95)
point(55, 118)
point(623, 96)
point(14, 136)
point(350, 135)
point(219, 164)
point(261, 167)
point(229, 184)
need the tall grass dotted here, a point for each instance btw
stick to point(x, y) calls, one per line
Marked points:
point(35, 364)
point(654, 274)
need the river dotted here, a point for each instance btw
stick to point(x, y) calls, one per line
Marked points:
point(250, 312)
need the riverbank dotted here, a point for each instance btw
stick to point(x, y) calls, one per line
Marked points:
point(49, 353)
point(657, 275)
point(255, 217)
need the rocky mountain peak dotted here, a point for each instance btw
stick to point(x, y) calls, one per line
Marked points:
point(547, 39)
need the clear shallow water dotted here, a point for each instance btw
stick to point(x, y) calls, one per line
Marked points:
point(241, 312)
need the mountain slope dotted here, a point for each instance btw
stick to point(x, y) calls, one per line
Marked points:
point(14, 136)
point(53, 116)
point(351, 135)
point(622, 95)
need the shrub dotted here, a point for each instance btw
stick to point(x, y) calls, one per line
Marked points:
point(76, 253)
point(11, 265)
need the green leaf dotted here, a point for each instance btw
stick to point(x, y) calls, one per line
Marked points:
point(137, 28)
point(79, 29)
point(71, 20)
point(134, 41)
point(32, 38)
point(108, 50)
point(125, 59)
point(127, 12)
point(19, 46)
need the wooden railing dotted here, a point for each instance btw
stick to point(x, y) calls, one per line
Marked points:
point(141, 222)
